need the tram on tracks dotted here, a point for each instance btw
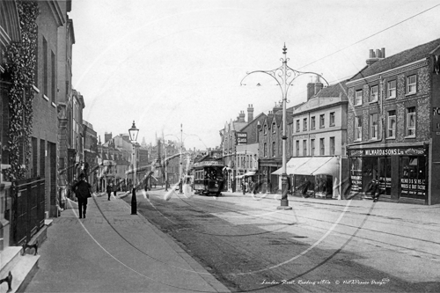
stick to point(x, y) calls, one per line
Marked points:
point(208, 177)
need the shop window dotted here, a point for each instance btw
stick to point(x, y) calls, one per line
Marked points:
point(411, 84)
point(411, 122)
point(374, 93)
point(413, 177)
point(374, 127)
point(358, 98)
point(358, 128)
point(312, 147)
point(313, 123)
point(391, 89)
point(356, 174)
point(391, 124)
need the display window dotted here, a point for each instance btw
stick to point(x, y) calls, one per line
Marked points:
point(413, 176)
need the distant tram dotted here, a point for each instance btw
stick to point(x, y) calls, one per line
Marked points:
point(208, 177)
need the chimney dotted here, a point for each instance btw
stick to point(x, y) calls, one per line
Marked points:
point(250, 112)
point(277, 107)
point(313, 88)
point(375, 56)
point(241, 117)
point(107, 136)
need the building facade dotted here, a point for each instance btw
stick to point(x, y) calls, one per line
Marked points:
point(228, 145)
point(318, 138)
point(393, 124)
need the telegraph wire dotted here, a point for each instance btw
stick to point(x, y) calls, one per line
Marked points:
point(370, 36)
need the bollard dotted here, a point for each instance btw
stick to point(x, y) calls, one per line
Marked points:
point(133, 202)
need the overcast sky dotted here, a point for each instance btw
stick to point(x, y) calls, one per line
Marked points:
point(166, 63)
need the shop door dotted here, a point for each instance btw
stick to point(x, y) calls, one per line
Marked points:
point(385, 174)
point(370, 171)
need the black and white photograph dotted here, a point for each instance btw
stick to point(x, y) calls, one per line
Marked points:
point(172, 146)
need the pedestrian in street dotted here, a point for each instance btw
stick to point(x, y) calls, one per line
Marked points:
point(115, 189)
point(109, 189)
point(82, 192)
point(306, 188)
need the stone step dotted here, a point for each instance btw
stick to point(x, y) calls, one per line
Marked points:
point(8, 258)
point(22, 273)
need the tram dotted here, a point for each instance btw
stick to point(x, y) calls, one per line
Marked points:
point(208, 177)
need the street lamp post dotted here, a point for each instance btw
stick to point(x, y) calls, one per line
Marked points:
point(180, 161)
point(284, 76)
point(133, 133)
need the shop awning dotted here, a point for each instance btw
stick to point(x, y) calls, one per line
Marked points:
point(292, 165)
point(313, 165)
point(331, 167)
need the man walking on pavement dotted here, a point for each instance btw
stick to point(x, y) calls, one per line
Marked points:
point(109, 190)
point(82, 192)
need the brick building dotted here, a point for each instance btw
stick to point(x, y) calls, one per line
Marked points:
point(393, 124)
point(228, 145)
point(270, 148)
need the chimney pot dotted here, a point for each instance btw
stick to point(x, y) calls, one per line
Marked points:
point(372, 55)
point(378, 53)
point(383, 52)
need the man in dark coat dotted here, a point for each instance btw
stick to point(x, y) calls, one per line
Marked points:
point(82, 192)
point(109, 190)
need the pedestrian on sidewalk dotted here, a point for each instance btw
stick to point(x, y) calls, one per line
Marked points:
point(82, 192)
point(115, 189)
point(109, 189)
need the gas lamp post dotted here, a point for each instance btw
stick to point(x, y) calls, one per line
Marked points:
point(133, 133)
point(284, 76)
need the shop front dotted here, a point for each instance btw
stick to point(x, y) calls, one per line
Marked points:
point(402, 172)
point(267, 182)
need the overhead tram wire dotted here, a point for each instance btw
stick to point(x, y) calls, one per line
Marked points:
point(370, 36)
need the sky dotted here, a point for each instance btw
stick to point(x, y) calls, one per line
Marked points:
point(175, 67)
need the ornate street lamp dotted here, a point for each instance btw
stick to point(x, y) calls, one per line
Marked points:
point(133, 133)
point(284, 76)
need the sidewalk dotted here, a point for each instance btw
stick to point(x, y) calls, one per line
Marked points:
point(113, 251)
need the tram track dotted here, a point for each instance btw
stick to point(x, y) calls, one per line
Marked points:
point(270, 215)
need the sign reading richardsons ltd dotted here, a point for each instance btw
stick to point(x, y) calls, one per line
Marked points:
point(408, 151)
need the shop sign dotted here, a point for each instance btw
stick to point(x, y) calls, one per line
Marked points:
point(387, 152)
point(208, 163)
point(241, 137)
point(412, 187)
point(356, 181)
